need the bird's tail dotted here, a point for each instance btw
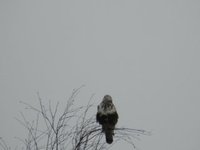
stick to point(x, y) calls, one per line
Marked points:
point(109, 136)
point(109, 132)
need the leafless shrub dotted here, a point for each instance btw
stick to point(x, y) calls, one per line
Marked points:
point(73, 129)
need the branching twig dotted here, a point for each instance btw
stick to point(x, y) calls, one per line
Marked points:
point(73, 129)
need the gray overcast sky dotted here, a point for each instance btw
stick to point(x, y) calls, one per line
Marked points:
point(145, 54)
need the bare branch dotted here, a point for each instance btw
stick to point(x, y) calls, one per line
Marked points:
point(74, 128)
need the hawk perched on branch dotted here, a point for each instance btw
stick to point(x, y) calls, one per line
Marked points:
point(107, 117)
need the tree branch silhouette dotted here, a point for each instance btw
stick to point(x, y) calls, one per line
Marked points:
point(73, 129)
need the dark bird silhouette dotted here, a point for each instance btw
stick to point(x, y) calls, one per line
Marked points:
point(107, 116)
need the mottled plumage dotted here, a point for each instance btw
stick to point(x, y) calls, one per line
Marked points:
point(107, 117)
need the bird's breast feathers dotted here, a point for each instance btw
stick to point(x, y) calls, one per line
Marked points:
point(106, 109)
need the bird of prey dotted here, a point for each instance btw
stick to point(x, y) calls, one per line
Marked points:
point(107, 116)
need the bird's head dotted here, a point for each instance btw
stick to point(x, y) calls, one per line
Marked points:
point(107, 98)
